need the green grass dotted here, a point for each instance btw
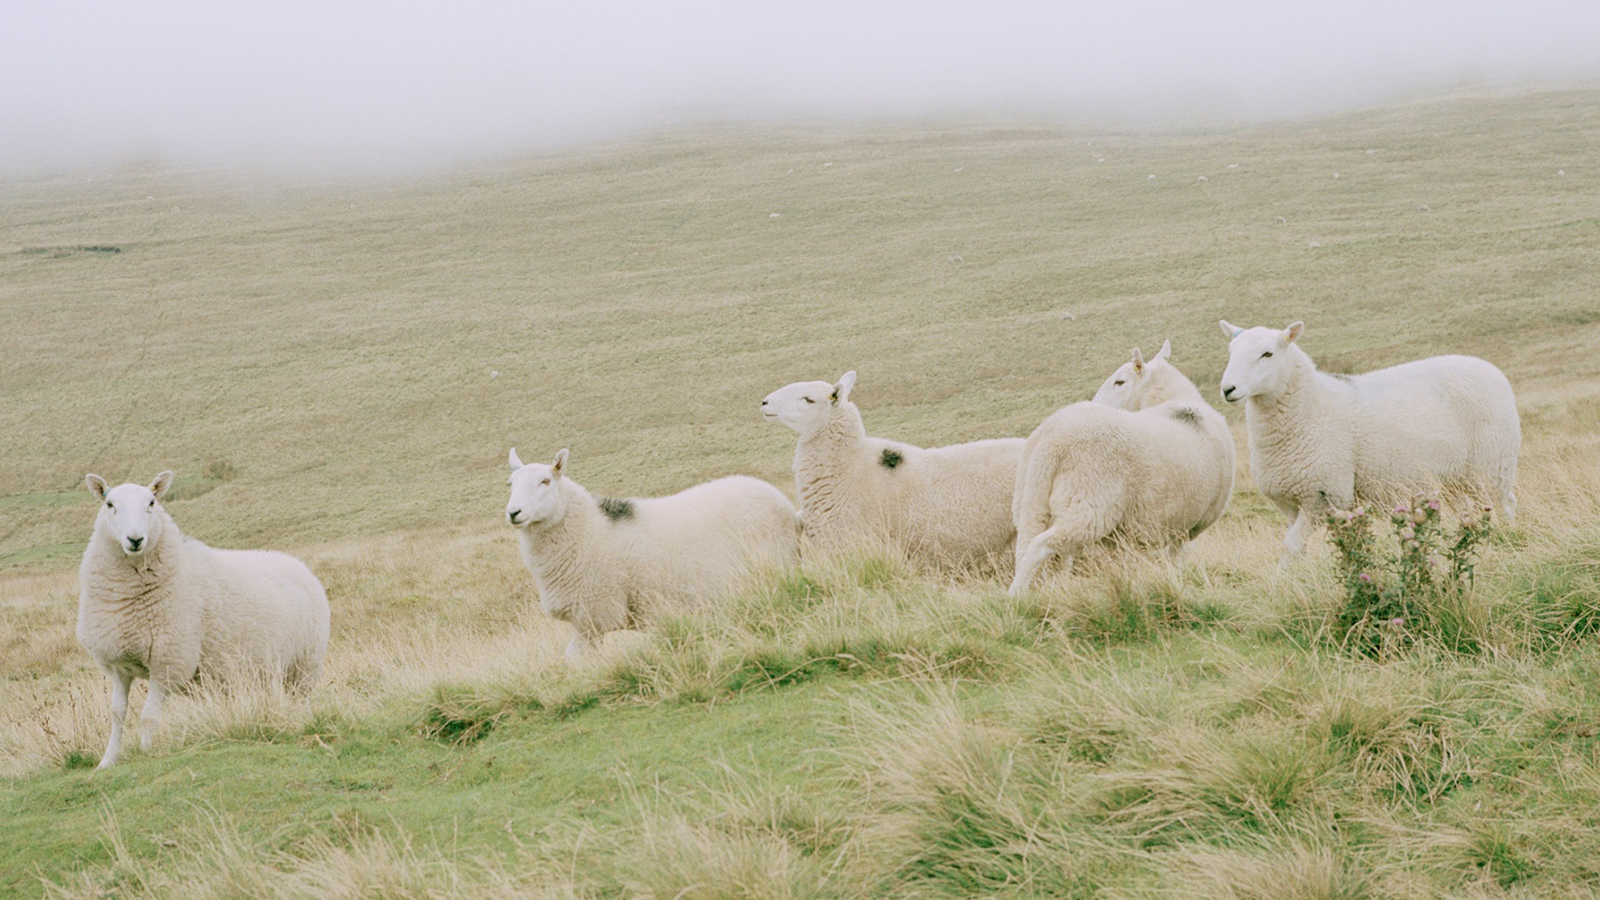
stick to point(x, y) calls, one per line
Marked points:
point(493, 795)
point(314, 361)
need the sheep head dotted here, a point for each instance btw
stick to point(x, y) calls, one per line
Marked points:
point(536, 497)
point(1261, 360)
point(1129, 386)
point(130, 513)
point(806, 406)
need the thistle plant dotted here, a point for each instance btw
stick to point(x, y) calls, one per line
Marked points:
point(1389, 594)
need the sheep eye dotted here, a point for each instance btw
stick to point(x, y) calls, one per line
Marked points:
point(1119, 383)
point(109, 506)
point(546, 481)
point(809, 400)
point(1266, 354)
point(152, 504)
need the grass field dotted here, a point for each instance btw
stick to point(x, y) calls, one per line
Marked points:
point(338, 370)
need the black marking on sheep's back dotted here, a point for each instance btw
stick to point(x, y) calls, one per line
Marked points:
point(1339, 375)
point(890, 458)
point(1188, 415)
point(616, 508)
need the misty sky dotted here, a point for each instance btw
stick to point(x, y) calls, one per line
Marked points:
point(392, 86)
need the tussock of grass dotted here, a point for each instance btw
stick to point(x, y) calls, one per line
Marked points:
point(1302, 868)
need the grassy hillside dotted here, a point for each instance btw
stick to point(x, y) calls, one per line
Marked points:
point(338, 370)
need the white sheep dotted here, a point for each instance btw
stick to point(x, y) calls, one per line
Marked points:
point(155, 604)
point(605, 564)
point(1147, 460)
point(946, 506)
point(1321, 441)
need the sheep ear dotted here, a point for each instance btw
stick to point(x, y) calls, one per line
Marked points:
point(1229, 330)
point(841, 391)
point(1138, 362)
point(514, 460)
point(1292, 333)
point(560, 463)
point(1166, 350)
point(97, 485)
point(161, 484)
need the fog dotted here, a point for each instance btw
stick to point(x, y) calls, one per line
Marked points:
point(391, 87)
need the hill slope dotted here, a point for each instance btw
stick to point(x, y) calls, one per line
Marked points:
point(339, 370)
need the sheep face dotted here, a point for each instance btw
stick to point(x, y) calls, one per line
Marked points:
point(129, 513)
point(805, 406)
point(1260, 361)
point(1126, 387)
point(536, 497)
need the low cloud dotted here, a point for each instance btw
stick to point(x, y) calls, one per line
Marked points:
point(385, 87)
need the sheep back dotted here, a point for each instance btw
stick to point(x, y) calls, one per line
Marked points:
point(1448, 421)
point(703, 541)
point(1159, 475)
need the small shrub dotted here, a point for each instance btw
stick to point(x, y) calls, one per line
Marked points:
point(1392, 598)
point(79, 759)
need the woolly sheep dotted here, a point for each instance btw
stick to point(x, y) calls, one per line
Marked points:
point(1320, 441)
point(948, 506)
point(155, 604)
point(1147, 460)
point(605, 564)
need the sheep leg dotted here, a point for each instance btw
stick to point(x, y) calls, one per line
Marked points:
point(1508, 507)
point(120, 681)
point(151, 714)
point(1040, 551)
point(1294, 542)
point(1030, 528)
point(577, 647)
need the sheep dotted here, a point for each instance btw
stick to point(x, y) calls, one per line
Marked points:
point(1321, 441)
point(945, 506)
point(1147, 460)
point(605, 564)
point(155, 604)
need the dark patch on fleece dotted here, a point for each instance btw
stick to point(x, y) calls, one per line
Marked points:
point(1339, 375)
point(1188, 415)
point(616, 508)
point(890, 458)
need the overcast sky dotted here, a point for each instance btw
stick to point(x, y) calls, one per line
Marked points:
point(395, 85)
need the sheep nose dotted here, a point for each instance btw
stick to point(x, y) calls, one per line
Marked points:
point(133, 543)
point(763, 403)
point(1227, 394)
point(512, 515)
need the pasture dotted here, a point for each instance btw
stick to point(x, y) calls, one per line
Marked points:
point(338, 369)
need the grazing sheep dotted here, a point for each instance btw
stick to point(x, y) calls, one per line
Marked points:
point(154, 604)
point(947, 506)
point(1320, 441)
point(1146, 460)
point(604, 564)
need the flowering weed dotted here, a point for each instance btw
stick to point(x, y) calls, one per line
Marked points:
point(1393, 597)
